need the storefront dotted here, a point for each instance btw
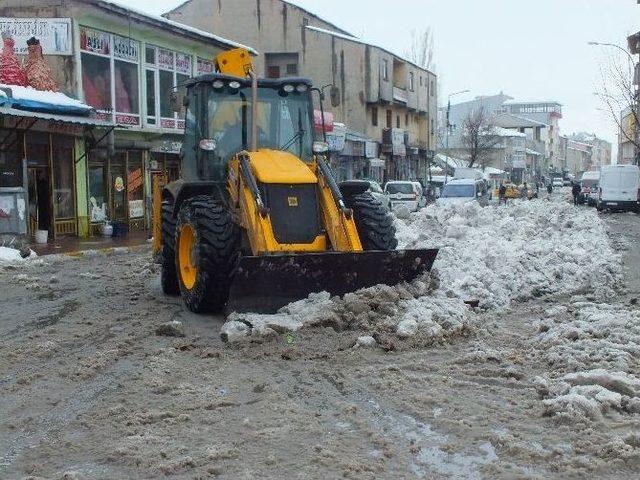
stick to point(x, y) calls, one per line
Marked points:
point(43, 154)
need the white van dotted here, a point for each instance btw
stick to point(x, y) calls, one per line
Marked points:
point(404, 193)
point(619, 188)
point(464, 190)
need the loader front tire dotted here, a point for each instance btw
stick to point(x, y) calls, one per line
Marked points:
point(207, 247)
point(373, 222)
point(168, 275)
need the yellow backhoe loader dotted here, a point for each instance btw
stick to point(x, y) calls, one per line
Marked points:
point(256, 219)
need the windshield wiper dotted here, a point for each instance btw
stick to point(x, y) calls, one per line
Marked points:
point(299, 134)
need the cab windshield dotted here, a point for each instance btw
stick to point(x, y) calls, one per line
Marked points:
point(456, 191)
point(284, 123)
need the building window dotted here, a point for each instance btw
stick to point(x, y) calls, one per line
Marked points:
point(389, 118)
point(432, 89)
point(169, 71)
point(398, 121)
point(411, 82)
point(420, 80)
point(406, 119)
point(385, 70)
point(135, 185)
point(11, 156)
point(374, 116)
point(110, 66)
point(273, 71)
point(292, 69)
point(433, 127)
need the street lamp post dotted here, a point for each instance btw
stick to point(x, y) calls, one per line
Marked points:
point(449, 125)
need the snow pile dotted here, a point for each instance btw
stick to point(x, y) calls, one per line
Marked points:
point(11, 255)
point(523, 250)
point(53, 98)
point(600, 346)
point(415, 310)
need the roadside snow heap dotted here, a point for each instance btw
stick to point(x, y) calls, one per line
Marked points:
point(593, 354)
point(516, 252)
point(11, 255)
point(495, 255)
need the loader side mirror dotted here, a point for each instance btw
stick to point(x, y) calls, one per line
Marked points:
point(207, 144)
point(334, 93)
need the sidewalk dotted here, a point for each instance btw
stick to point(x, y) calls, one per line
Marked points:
point(70, 245)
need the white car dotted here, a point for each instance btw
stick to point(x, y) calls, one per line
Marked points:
point(558, 183)
point(376, 191)
point(619, 188)
point(404, 193)
point(464, 190)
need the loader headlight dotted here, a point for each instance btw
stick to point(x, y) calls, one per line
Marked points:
point(288, 88)
point(218, 84)
point(235, 85)
point(301, 88)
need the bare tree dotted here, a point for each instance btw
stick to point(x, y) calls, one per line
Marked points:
point(478, 136)
point(619, 94)
point(421, 49)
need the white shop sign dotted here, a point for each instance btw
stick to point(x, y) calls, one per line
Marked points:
point(54, 34)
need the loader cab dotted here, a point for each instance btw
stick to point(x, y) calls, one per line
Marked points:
point(218, 122)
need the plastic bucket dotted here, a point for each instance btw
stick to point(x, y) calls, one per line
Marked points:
point(42, 236)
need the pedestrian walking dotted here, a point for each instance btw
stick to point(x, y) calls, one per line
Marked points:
point(575, 190)
point(549, 190)
point(502, 194)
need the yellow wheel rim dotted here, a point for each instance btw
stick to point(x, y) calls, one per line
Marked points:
point(186, 256)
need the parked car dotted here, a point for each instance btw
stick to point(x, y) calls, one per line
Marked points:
point(619, 188)
point(404, 193)
point(558, 182)
point(464, 190)
point(422, 202)
point(589, 188)
point(376, 190)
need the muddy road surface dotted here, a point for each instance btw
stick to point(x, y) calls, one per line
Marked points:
point(90, 391)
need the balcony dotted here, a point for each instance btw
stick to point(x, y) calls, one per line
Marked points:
point(400, 95)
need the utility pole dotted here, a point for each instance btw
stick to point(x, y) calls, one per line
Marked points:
point(449, 126)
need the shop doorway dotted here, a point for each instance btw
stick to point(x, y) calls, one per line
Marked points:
point(40, 217)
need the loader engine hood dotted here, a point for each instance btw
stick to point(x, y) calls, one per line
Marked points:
point(274, 166)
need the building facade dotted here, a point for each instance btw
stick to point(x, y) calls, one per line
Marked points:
point(627, 135)
point(125, 65)
point(388, 104)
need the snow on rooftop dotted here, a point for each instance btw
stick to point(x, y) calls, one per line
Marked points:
point(362, 41)
point(174, 24)
point(533, 152)
point(30, 94)
point(533, 102)
point(506, 132)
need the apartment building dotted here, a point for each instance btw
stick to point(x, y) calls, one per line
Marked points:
point(599, 148)
point(383, 107)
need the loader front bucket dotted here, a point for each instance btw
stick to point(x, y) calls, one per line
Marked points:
point(264, 284)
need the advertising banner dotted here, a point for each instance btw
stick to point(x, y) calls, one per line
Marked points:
point(94, 41)
point(54, 34)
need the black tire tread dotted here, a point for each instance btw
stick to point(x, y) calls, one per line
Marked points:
point(373, 222)
point(218, 250)
point(168, 275)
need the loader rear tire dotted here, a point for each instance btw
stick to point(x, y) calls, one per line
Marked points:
point(207, 248)
point(168, 275)
point(373, 222)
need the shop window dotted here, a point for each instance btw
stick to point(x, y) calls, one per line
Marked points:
point(135, 185)
point(62, 149)
point(151, 96)
point(11, 174)
point(110, 66)
point(171, 70)
point(96, 81)
point(98, 199)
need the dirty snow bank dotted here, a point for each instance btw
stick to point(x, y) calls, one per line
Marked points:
point(593, 351)
point(418, 310)
point(11, 255)
point(523, 250)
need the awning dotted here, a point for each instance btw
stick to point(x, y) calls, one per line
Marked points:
point(75, 119)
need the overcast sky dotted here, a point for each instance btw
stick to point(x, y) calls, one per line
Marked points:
point(533, 50)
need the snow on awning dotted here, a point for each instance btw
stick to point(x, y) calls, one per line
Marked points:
point(533, 152)
point(27, 98)
point(76, 119)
